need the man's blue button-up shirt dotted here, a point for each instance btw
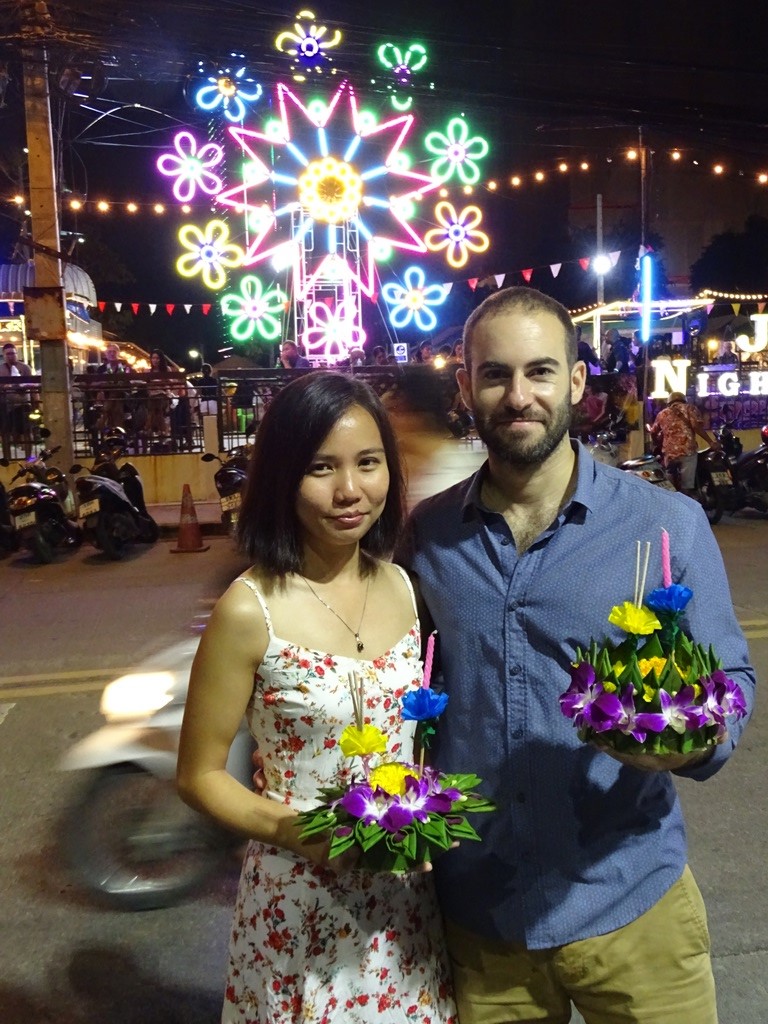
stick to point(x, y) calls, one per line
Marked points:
point(579, 845)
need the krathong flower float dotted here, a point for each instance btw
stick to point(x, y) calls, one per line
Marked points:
point(658, 691)
point(398, 814)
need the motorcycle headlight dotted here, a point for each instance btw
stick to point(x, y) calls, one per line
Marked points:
point(137, 695)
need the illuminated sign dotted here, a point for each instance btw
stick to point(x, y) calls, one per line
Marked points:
point(672, 375)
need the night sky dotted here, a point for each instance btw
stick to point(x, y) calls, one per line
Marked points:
point(527, 76)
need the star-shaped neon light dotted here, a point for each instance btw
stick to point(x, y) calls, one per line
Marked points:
point(339, 168)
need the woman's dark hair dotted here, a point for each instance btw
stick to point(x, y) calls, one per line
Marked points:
point(295, 424)
point(162, 359)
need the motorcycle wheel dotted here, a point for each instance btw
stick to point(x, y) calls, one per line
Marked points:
point(150, 531)
point(41, 545)
point(711, 502)
point(133, 843)
point(113, 534)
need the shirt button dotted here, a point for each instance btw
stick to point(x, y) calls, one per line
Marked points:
point(505, 541)
point(514, 670)
point(517, 734)
point(512, 606)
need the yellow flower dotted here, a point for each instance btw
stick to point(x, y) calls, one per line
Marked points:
point(646, 665)
point(648, 693)
point(609, 687)
point(391, 777)
point(630, 618)
point(356, 742)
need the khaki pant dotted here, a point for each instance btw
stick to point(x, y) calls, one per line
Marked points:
point(655, 970)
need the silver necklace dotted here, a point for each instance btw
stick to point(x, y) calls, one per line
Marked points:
point(355, 632)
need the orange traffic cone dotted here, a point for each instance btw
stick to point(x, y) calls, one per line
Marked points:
point(190, 537)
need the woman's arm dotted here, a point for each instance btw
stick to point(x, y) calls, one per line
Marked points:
point(220, 687)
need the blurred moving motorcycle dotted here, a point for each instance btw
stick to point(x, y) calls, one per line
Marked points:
point(127, 836)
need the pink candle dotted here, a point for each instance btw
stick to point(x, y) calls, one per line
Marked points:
point(428, 660)
point(666, 565)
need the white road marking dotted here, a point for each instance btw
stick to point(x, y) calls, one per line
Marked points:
point(4, 709)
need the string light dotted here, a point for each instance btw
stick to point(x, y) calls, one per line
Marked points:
point(632, 154)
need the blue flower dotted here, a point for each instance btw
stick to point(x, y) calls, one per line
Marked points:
point(423, 704)
point(673, 598)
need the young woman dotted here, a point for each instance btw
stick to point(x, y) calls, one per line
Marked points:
point(314, 940)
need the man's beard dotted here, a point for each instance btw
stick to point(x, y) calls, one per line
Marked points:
point(523, 451)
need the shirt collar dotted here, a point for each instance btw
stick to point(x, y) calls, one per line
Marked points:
point(587, 471)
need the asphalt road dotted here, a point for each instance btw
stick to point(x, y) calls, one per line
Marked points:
point(70, 626)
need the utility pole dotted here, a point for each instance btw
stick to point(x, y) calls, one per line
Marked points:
point(46, 314)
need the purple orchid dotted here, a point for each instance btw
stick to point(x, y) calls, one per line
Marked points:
point(673, 598)
point(581, 694)
point(679, 712)
point(422, 704)
point(728, 693)
point(364, 802)
point(633, 723)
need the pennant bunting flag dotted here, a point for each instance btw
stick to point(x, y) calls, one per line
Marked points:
point(169, 307)
point(584, 263)
point(135, 308)
point(710, 307)
point(614, 257)
point(152, 307)
point(187, 307)
point(555, 268)
point(448, 288)
point(118, 306)
point(499, 278)
point(527, 273)
point(760, 307)
point(206, 307)
point(102, 306)
point(735, 306)
point(472, 282)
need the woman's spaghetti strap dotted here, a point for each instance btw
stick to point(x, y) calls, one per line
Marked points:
point(408, 583)
point(267, 617)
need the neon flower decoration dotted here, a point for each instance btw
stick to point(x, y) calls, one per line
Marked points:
point(458, 235)
point(403, 67)
point(308, 44)
point(333, 332)
point(456, 152)
point(191, 167)
point(337, 174)
point(210, 251)
point(231, 92)
point(255, 310)
point(411, 302)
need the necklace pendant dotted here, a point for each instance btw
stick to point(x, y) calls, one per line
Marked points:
point(360, 644)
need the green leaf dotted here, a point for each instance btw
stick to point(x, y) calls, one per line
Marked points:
point(339, 844)
point(434, 829)
point(461, 830)
point(368, 835)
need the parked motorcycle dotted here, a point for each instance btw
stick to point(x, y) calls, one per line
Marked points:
point(230, 480)
point(127, 836)
point(111, 501)
point(720, 488)
point(648, 467)
point(8, 538)
point(603, 448)
point(42, 509)
point(749, 468)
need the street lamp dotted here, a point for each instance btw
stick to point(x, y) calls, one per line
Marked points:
point(194, 354)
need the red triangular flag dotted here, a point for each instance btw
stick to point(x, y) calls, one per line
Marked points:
point(527, 273)
point(135, 308)
point(102, 306)
point(169, 307)
point(472, 282)
point(584, 263)
point(760, 307)
point(206, 308)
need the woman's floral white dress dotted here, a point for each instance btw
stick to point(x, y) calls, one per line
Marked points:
point(309, 947)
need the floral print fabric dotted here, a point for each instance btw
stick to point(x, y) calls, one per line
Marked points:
point(307, 946)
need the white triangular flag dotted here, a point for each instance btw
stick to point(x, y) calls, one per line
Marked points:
point(118, 306)
point(498, 278)
point(614, 257)
point(152, 307)
point(187, 307)
point(555, 268)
